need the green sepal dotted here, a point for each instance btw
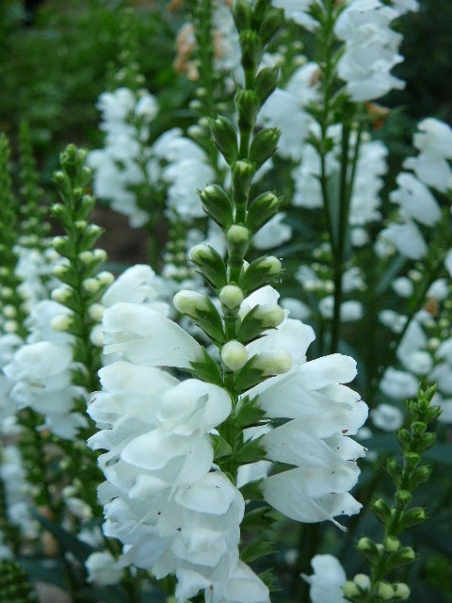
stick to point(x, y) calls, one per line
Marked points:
point(262, 271)
point(211, 266)
point(91, 234)
point(369, 550)
point(261, 210)
point(250, 452)
point(256, 549)
point(247, 413)
point(209, 320)
point(242, 177)
point(252, 491)
point(249, 376)
point(257, 518)
point(64, 246)
point(264, 145)
point(404, 438)
point(217, 204)
point(63, 214)
point(221, 447)
point(426, 441)
point(251, 327)
point(248, 105)
point(402, 498)
point(207, 370)
point(224, 136)
point(266, 82)
point(260, 9)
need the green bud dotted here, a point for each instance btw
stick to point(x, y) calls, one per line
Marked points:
point(412, 517)
point(418, 428)
point(384, 590)
point(241, 12)
point(258, 320)
point(261, 210)
point(61, 294)
point(231, 296)
point(210, 264)
point(225, 138)
point(264, 145)
point(247, 104)
point(419, 476)
point(276, 362)
point(426, 441)
point(391, 544)
point(411, 460)
point(394, 470)
point(399, 558)
point(234, 355)
point(402, 498)
point(105, 278)
point(266, 82)
point(405, 439)
point(252, 49)
point(91, 233)
point(217, 204)
point(242, 176)
point(261, 272)
point(237, 239)
point(271, 23)
point(202, 311)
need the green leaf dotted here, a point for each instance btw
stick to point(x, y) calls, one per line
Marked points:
point(256, 549)
point(207, 370)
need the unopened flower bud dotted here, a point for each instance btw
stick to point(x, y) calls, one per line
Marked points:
point(61, 323)
point(350, 589)
point(86, 257)
point(190, 302)
point(391, 544)
point(385, 590)
point(61, 294)
point(100, 255)
point(270, 316)
point(105, 278)
point(91, 285)
point(275, 362)
point(234, 355)
point(96, 312)
point(231, 296)
point(402, 591)
point(9, 311)
point(362, 581)
point(10, 326)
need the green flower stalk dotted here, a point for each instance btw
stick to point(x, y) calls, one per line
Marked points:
point(398, 516)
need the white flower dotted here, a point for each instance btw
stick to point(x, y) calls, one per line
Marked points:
point(387, 417)
point(103, 568)
point(371, 49)
point(407, 238)
point(273, 234)
point(416, 200)
point(399, 384)
point(297, 10)
point(327, 580)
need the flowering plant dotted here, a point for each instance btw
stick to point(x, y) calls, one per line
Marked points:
point(164, 428)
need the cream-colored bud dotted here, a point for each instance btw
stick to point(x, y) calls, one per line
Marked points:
point(363, 581)
point(350, 589)
point(402, 591)
point(275, 362)
point(231, 296)
point(270, 315)
point(81, 224)
point(96, 312)
point(106, 278)
point(61, 294)
point(234, 355)
point(238, 235)
point(6, 292)
point(385, 590)
point(190, 302)
point(10, 326)
point(97, 337)
point(61, 323)
point(91, 285)
point(86, 257)
point(100, 255)
point(9, 311)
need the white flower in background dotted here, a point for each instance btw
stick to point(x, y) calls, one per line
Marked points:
point(125, 160)
point(273, 234)
point(103, 568)
point(387, 417)
point(35, 269)
point(371, 166)
point(398, 384)
point(17, 491)
point(371, 49)
point(394, 321)
point(407, 239)
point(415, 200)
point(297, 10)
point(327, 580)
point(403, 286)
point(286, 109)
point(9, 344)
point(434, 141)
point(404, 6)
point(350, 309)
point(412, 349)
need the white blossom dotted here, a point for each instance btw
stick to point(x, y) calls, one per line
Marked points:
point(327, 580)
